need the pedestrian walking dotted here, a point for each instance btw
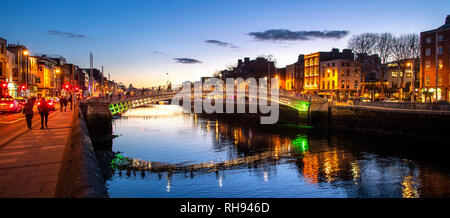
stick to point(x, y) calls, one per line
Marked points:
point(61, 103)
point(70, 100)
point(64, 103)
point(28, 111)
point(43, 111)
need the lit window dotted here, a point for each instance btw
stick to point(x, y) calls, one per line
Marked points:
point(427, 64)
point(440, 64)
point(427, 80)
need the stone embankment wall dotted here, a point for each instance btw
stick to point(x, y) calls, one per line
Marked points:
point(80, 174)
point(402, 123)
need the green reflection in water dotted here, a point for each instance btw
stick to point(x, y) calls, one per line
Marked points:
point(118, 161)
point(300, 143)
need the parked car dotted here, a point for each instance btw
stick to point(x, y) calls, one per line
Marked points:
point(363, 99)
point(22, 102)
point(442, 102)
point(391, 100)
point(10, 105)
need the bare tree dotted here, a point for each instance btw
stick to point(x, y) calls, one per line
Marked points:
point(362, 45)
point(404, 50)
point(230, 66)
point(383, 47)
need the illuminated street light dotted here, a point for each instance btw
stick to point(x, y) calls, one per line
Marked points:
point(25, 52)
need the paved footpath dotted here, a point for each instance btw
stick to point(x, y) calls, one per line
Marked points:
point(30, 163)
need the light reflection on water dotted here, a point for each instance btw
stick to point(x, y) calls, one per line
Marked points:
point(268, 164)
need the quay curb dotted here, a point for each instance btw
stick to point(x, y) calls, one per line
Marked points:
point(22, 131)
point(80, 175)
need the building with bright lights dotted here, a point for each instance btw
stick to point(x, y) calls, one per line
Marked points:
point(435, 61)
point(46, 78)
point(24, 75)
point(399, 78)
point(315, 70)
point(339, 78)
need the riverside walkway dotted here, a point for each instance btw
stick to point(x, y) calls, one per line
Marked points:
point(30, 160)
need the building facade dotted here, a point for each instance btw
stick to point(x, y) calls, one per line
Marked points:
point(339, 78)
point(3, 67)
point(280, 74)
point(295, 75)
point(46, 79)
point(435, 61)
point(316, 71)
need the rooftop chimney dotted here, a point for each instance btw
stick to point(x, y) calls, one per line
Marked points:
point(447, 20)
point(246, 60)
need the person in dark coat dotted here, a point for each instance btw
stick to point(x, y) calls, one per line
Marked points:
point(43, 111)
point(28, 111)
point(63, 103)
point(70, 100)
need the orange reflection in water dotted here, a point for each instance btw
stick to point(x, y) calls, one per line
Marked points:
point(311, 168)
point(409, 187)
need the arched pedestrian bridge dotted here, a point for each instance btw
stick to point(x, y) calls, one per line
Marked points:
point(118, 105)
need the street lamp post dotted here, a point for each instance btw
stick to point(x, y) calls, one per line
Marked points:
point(413, 80)
point(26, 55)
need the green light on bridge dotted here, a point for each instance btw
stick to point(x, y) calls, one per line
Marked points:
point(300, 143)
point(302, 105)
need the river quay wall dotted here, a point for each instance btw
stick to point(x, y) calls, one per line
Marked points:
point(80, 174)
point(393, 122)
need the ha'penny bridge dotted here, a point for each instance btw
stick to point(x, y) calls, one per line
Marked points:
point(118, 105)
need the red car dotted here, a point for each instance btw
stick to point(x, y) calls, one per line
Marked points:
point(10, 105)
point(50, 103)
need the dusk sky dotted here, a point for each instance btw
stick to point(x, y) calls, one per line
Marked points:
point(139, 42)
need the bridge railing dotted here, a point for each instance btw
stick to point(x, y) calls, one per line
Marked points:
point(120, 98)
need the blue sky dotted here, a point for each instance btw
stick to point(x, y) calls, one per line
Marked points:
point(136, 41)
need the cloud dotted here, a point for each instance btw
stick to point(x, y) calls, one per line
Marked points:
point(287, 35)
point(187, 61)
point(66, 34)
point(158, 52)
point(220, 43)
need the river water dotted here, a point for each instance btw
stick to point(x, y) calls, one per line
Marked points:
point(278, 161)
